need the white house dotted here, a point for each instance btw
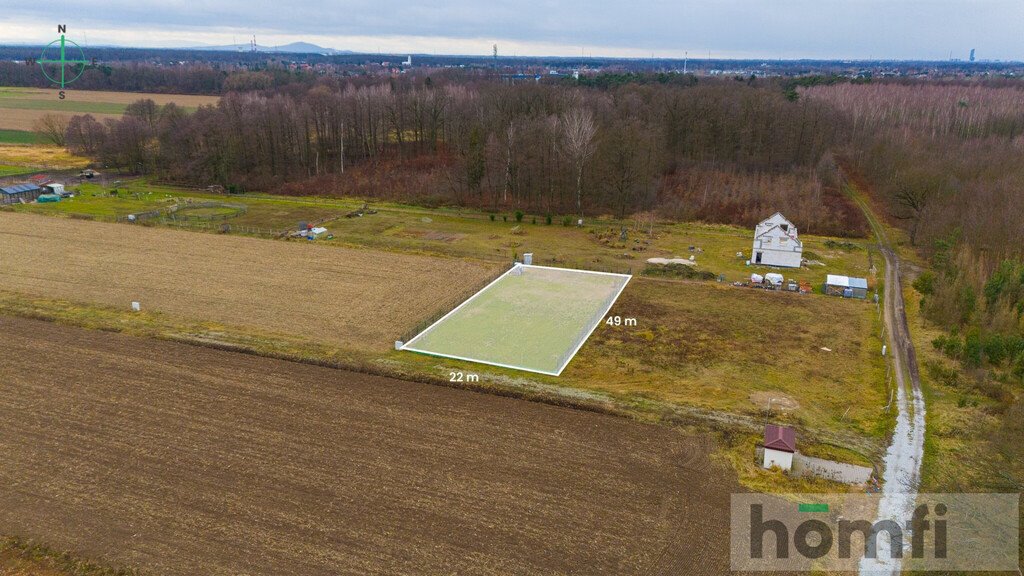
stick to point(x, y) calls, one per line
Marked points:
point(779, 446)
point(776, 243)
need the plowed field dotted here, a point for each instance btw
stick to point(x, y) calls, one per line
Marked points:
point(182, 460)
point(360, 298)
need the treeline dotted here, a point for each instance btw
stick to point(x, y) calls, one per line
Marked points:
point(542, 148)
point(946, 160)
point(134, 77)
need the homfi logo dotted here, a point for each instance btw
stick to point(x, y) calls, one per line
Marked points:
point(814, 538)
point(861, 532)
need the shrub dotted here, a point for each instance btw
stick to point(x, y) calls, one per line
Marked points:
point(548, 218)
point(492, 217)
point(994, 348)
point(679, 271)
point(925, 283)
point(519, 216)
point(953, 347)
point(972, 350)
point(567, 221)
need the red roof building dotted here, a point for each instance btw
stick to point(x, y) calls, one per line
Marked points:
point(781, 438)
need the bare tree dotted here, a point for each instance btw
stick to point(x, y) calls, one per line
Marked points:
point(914, 194)
point(578, 132)
point(53, 127)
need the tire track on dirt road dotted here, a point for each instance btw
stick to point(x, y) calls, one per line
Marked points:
point(902, 475)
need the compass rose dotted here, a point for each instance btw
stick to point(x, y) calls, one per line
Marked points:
point(62, 61)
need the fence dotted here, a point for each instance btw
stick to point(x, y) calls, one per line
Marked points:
point(175, 212)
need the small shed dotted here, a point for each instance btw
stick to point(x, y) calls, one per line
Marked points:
point(779, 446)
point(20, 193)
point(846, 286)
point(56, 188)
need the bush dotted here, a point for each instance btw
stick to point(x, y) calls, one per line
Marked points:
point(953, 347)
point(519, 216)
point(548, 218)
point(972, 350)
point(504, 217)
point(925, 283)
point(492, 217)
point(994, 348)
point(1018, 367)
point(534, 219)
point(679, 271)
point(567, 221)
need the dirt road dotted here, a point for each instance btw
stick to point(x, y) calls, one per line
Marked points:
point(902, 475)
point(182, 460)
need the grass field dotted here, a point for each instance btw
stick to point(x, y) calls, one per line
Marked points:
point(6, 170)
point(174, 460)
point(20, 137)
point(730, 350)
point(332, 295)
point(472, 234)
point(20, 108)
point(702, 351)
point(531, 318)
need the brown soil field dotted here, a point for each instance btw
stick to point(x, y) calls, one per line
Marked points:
point(105, 96)
point(358, 298)
point(174, 459)
point(16, 115)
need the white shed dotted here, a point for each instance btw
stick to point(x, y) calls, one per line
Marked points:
point(779, 446)
point(776, 243)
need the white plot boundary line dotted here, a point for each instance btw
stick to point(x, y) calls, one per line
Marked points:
point(597, 321)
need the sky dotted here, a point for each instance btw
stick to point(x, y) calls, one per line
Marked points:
point(770, 29)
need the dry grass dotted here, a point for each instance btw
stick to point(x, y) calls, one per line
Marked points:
point(721, 348)
point(362, 299)
point(42, 157)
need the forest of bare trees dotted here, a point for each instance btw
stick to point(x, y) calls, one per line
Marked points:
point(725, 151)
point(946, 160)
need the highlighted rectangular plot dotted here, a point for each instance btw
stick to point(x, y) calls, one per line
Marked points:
point(532, 318)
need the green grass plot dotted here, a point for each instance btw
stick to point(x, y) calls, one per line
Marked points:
point(531, 318)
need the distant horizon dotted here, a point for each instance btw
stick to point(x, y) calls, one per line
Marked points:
point(271, 49)
point(822, 30)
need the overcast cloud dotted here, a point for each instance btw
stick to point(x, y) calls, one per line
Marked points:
point(899, 29)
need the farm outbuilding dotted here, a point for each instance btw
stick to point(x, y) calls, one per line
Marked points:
point(55, 188)
point(846, 286)
point(776, 243)
point(779, 446)
point(20, 193)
